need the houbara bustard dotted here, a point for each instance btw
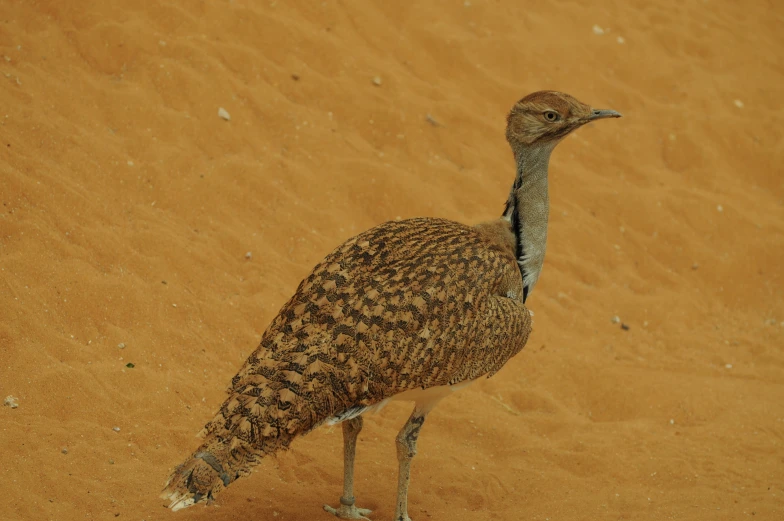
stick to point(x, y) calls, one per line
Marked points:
point(411, 310)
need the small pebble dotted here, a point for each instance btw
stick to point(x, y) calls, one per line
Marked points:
point(433, 121)
point(248, 255)
point(11, 401)
point(223, 113)
point(695, 266)
point(295, 77)
point(121, 345)
point(116, 429)
point(739, 103)
point(621, 39)
point(728, 366)
point(111, 462)
point(720, 208)
point(597, 30)
point(672, 422)
point(377, 81)
point(616, 319)
point(65, 450)
point(625, 327)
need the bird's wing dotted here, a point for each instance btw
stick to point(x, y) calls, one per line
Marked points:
point(405, 305)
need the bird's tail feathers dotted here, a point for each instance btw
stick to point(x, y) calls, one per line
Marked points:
point(208, 471)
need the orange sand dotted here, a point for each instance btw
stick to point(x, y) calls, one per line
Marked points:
point(128, 207)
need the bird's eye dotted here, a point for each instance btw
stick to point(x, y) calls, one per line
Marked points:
point(551, 116)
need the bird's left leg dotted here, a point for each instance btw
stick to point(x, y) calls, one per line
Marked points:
point(347, 508)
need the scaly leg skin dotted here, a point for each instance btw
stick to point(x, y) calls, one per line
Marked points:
point(347, 508)
point(406, 450)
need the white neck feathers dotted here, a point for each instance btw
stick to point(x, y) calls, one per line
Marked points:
point(528, 209)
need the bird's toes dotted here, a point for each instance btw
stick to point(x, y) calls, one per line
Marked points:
point(348, 512)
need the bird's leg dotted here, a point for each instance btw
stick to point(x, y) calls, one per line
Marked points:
point(347, 508)
point(406, 449)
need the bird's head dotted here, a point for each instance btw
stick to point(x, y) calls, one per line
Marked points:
point(546, 117)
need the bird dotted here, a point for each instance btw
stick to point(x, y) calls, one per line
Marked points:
point(412, 309)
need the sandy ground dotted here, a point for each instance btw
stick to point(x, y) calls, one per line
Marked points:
point(128, 207)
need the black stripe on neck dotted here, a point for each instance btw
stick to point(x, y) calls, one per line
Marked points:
point(517, 229)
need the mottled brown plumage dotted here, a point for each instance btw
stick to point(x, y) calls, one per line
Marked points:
point(410, 309)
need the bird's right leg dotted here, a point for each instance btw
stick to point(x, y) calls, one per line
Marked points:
point(406, 450)
point(347, 508)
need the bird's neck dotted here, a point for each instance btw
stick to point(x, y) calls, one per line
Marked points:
point(527, 209)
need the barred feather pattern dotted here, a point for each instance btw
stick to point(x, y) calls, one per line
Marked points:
point(408, 304)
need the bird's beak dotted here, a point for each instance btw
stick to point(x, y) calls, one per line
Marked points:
point(601, 114)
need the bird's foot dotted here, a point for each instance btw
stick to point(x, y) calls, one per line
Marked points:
point(348, 510)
